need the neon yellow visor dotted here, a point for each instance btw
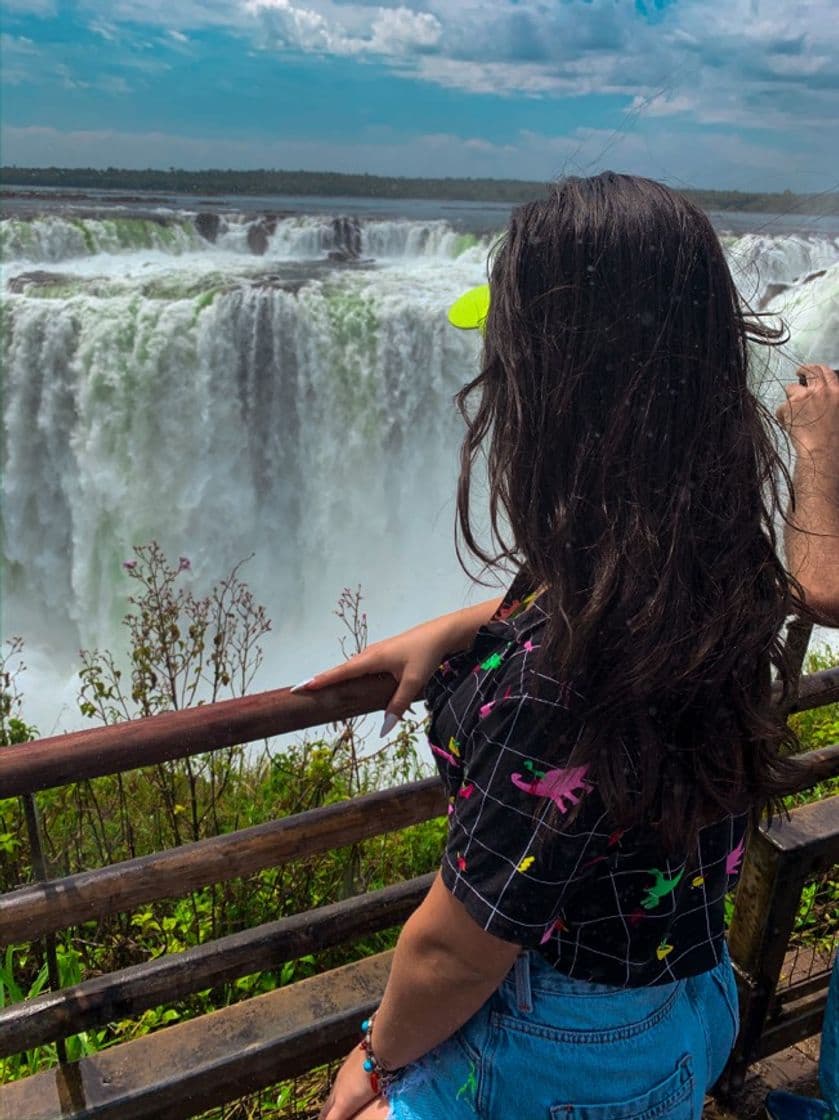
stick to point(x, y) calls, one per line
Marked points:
point(469, 312)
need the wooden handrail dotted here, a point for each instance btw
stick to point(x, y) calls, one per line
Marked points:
point(55, 904)
point(130, 991)
point(44, 907)
point(204, 1062)
point(817, 766)
point(43, 763)
point(815, 689)
point(61, 759)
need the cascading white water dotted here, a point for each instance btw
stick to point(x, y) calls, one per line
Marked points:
point(759, 261)
point(228, 395)
point(53, 238)
point(57, 237)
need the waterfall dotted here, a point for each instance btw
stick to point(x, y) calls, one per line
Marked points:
point(183, 379)
point(763, 265)
point(52, 238)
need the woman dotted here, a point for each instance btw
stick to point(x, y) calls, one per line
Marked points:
point(604, 731)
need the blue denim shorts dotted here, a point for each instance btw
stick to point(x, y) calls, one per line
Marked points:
point(547, 1047)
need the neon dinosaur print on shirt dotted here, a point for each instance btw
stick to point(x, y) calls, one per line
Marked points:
point(447, 755)
point(559, 785)
point(732, 860)
point(661, 887)
point(485, 709)
point(556, 926)
point(598, 900)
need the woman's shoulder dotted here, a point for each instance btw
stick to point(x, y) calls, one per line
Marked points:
point(520, 597)
point(512, 628)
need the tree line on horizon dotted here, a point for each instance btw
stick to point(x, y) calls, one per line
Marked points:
point(339, 184)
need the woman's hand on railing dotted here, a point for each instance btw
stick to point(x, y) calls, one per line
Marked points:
point(410, 657)
point(810, 413)
point(811, 530)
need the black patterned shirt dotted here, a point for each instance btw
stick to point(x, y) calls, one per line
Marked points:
point(599, 904)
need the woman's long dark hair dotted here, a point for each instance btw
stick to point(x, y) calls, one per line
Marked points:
point(636, 471)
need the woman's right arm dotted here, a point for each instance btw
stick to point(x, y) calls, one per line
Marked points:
point(811, 532)
point(410, 657)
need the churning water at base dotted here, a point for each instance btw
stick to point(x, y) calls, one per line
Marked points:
point(232, 384)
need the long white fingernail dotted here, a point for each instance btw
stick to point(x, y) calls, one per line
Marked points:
point(302, 684)
point(390, 721)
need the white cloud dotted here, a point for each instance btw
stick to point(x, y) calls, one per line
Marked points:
point(67, 78)
point(490, 77)
point(724, 64)
point(298, 27)
point(106, 31)
point(383, 31)
point(396, 30)
point(19, 57)
point(663, 104)
point(18, 44)
point(742, 63)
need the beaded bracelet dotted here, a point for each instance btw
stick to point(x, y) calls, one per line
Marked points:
point(381, 1078)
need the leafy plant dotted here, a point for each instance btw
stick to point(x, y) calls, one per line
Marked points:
point(13, 728)
point(177, 643)
point(175, 639)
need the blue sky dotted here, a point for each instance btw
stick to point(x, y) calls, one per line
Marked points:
point(742, 94)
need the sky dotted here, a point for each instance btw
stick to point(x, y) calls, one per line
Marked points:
point(740, 94)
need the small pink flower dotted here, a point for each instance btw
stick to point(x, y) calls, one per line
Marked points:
point(184, 564)
point(129, 565)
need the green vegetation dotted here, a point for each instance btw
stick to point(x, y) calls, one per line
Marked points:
point(818, 916)
point(332, 184)
point(185, 649)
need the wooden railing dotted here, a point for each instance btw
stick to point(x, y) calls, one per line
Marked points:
point(185, 1068)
